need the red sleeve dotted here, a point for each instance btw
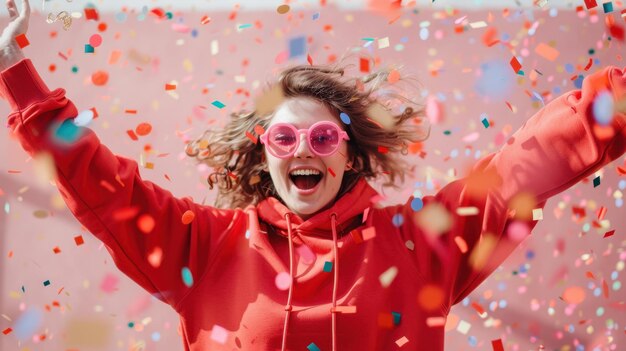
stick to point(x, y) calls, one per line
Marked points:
point(557, 147)
point(107, 195)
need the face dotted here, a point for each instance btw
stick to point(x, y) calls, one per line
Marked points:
point(304, 194)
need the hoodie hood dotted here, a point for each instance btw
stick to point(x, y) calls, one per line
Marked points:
point(347, 208)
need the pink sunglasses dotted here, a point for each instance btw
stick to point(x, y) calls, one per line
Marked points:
point(282, 139)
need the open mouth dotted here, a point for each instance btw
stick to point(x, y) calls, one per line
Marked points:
point(305, 182)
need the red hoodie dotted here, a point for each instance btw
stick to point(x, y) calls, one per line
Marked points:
point(363, 277)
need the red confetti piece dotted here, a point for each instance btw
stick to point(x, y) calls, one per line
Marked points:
point(330, 170)
point(617, 31)
point(79, 240)
point(590, 275)
point(601, 213)
point(107, 186)
point(125, 213)
point(91, 14)
point(251, 137)
point(609, 233)
point(309, 59)
point(382, 149)
point(188, 217)
point(460, 242)
point(56, 250)
point(364, 65)
point(157, 12)
point(478, 308)
point(605, 289)
point(589, 64)
point(497, 345)
point(7, 331)
point(146, 223)
point(590, 4)
point(205, 19)
point(22, 41)
point(132, 134)
point(515, 64)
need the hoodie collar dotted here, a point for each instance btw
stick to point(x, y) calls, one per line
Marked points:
point(347, 208)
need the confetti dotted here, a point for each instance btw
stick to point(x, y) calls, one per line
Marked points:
point(143, 129)
point(547, 52)
point(515, 65)
point(22, 41)
point(313, 347)
point(218, 104)
point(574, 295)
point(100, 78)
point(79, 240)
point(155, 256)
point(187, 277)
point(188, 217)
point(146, 223)
point(283, 281)
point(430, 297)
point(328, 266)
point(402, 341)
point(219, 334)
point(388, 276)
point(496, 345)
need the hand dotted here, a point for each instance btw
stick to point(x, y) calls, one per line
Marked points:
point(10, 52)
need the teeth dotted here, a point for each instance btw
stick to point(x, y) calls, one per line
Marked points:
point(305, 172)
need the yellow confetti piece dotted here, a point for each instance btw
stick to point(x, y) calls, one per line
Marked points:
point(482, 251)
point(388, 276)
point(467, 211)
point(403, 340)
point(383, 42)
point(434, 219)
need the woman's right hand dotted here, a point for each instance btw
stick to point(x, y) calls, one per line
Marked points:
point(10, 51)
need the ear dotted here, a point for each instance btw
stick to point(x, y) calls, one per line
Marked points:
point(348, 166)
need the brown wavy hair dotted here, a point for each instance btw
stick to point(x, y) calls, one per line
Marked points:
point(377, 134)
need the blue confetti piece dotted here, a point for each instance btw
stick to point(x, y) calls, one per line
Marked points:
point(495, 81)
point(297, 47)
point(313, 347)
point(472, 341)
point(569, 68)
point(316, 16)
point(28, 324)
point(187, 277)
point(218, 104)
point(244, 26)
point(328, 266)
point(344, 118)
point(484, 120)
point(417, 204)
point(396, 318)
point(578, 82)
point(397, 219)
point(156, 336)
point(603, 108)
point(67, 132)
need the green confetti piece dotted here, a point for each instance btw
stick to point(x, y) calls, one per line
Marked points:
point(89, 49)
point(244, 26)
point(187, 277)
point(46, 283)
point(218, 104)
point(596, 181)
point(328, 266)
point(313, 347)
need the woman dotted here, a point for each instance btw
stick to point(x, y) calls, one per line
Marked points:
point(297, 254)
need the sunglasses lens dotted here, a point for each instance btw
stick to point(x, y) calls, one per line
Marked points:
point(282, 140)
point(325, 139)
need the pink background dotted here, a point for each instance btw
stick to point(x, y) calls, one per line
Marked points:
point(89, 305)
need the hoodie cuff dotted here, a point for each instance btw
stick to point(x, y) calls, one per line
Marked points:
point(22, 86)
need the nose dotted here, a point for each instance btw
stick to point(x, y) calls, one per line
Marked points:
point(303, 150)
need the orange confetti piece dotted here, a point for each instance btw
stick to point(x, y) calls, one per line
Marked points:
point(309, 59)
point(479, 309)
point(170, 87)
point(130, 112)
point(205, 19)
point(125, 213)
point(145, 223)
point(22, 41)
point(56, 250)
point(546, 51)
point(574, 295)
point(251, 137)
point(143, 129)
point(188, 217)
point(590, 275)
point(430, 297)
point(100, 78)
point(364, 65)
point(393, 76)
point(605, 289)
point(460, 242)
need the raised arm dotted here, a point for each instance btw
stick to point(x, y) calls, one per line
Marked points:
point(556, 148)
point(140, 223)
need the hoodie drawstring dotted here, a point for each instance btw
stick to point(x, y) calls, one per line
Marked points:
point(333, 310)
point(288, 307)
